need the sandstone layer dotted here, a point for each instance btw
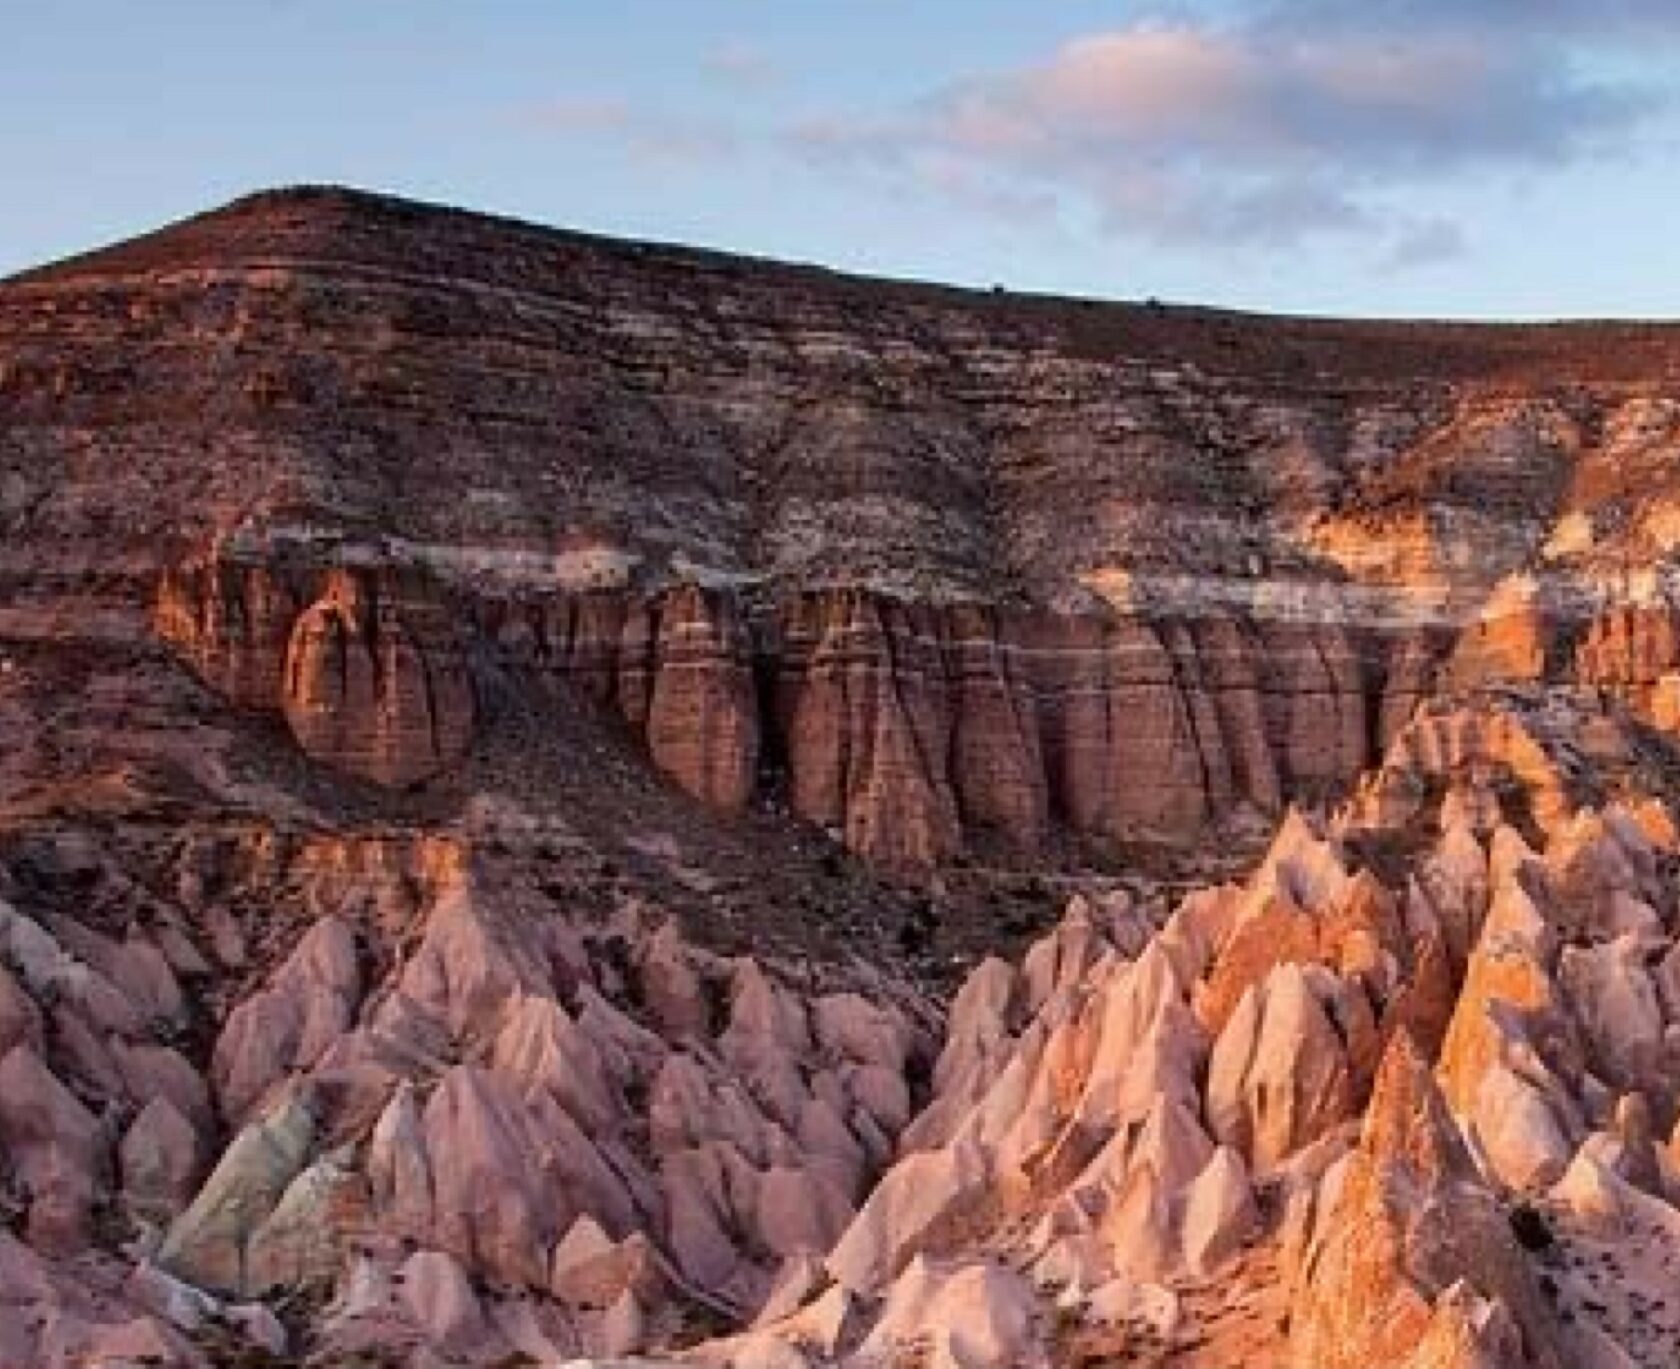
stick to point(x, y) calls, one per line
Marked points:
point(943, 572)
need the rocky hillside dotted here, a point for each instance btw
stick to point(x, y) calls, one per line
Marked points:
point(945, 573)
point(566, 798)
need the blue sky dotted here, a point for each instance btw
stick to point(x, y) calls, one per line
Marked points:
point(1479, 158)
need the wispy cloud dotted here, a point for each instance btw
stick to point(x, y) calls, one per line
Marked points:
point(741, 66)
point(645, 134)
point(1523, 20)
point(1426, 242)
point(1309, 119)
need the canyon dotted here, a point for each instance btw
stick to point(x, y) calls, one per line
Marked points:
point(567, 798)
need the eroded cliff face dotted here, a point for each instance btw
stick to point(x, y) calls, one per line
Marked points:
point(941, 572)
point(906, 729)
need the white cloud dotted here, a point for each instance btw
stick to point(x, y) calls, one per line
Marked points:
point(1264, 134)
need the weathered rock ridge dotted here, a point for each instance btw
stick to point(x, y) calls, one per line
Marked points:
point(906, 729)
point(1326, 1117)
point(899, 726)
point(929, 567)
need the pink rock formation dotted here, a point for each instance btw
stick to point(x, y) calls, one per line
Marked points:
point(1405, 1235)
point(702, 716)
point(55, 1151)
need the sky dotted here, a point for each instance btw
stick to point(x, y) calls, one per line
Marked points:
point(1464, 158)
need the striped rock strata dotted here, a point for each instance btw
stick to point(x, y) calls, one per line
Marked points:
point(936, 570)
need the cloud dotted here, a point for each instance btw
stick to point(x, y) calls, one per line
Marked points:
point(647, 135)
point(741, 66)
point(1198, 133)
point(1518, 19)
point(1265, 213)
point(1424, 243)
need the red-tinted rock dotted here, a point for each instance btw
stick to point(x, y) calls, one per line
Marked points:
point(232, 621)
point(866, 712)
point(702, 713)
point(374, 683)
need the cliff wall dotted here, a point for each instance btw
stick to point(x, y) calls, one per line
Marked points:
point(926, 565)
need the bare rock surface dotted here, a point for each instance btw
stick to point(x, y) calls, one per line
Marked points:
point(940, 571)
point(1313, 1185)
point(563, 801)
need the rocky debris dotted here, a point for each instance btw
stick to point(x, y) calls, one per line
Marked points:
point(209, 1244)
point(55, 1313)
point(55, 1152)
